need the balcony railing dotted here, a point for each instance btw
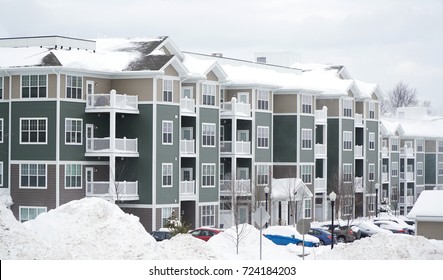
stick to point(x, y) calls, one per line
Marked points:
point(407, 176)
point(236, 109)
point(384, 177)
point(406, 152)
point(358, 151)
point(384, 152)
point(241, 147)
point(187, 147)
point(320, 150)
point(118, 191)
point(112, 100)
point(321, 116)
point(320, 184)
point(187, 105)
point(103, 145)
point(187, 188)
point(408, 201)
point(230, 187)
point(358, 120)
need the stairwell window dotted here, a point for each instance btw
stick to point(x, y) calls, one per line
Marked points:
point(34, 86)
point(33, 130)
point(208, 94)
point(262, 175)
point(394, 169)
point(73, 176)
point(371, 106)
point(263, 100)
point(166, 214)
point(208, 215)
point(394, 144)
point(167, 129)
point(419, 168)
point(371, 141)
point(73, 131)
point(208, 175)
point(306, 174)
point(167, 90)
point(32, 175)
point(167, 175)
point(74, 87)
point(347, 107)
point(262, 137)
point(208, 135)
point(371, 172)
point(306, 102)
point(306, 139)
point(307, 208)
point(347, 173)
point(420, 144)
point(347, 140)
point(1, 130)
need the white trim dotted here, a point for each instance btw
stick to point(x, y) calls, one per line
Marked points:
point(29, 207)
point(38, 81)
point(81, 131)
point(2, 130)
point(167, 80)
point(83, 93)
point(303, 132)
point(347, 132)
point(215, 175)
point(167, 132)
point(34, 143)
point(2, 173)
point(203, 134)
point(81, 176)
point(35, 188)
point(172, 174)
point(266, 129)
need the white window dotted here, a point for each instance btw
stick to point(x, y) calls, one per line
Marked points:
point(306, 139)
point(371, 203)
point(371, 172)
point(208, 94)
point(347, 107)
point(73, 131)
point(419, 168)
point(1, 173)
point(208, 135)
point(32, 175)
point(347, 173)
point(30, 213)
point(440, 146)
point(420, 144)
point(347, 209)
point(371, 141)
point(167, 175)
point(208, 175)
point(167, 128)
point(394, 169)
point(208, 215)
point(263, 100)
point(74, 86)
point(440, 169)
point(347, 140)
point(73, 176)
point(262, 174)
point(394, 144)
point(306, 102)
point(262, 137)
point(167, 90)
point(1, 130)
point(307, 208)
point(222, 98)
point(1, 88)
point(33, 86)
point(33, 131)
point(166, 214)
point(306, 174)
point(371, 110)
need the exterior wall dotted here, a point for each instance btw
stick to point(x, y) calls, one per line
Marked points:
point(4, 146)
point(141, 87)
point(285, 138)
point(307, 122)
point(211, 77)
point(430, 169)
point(5, 88)
point(431, 230)
point(263, 155)
point(285, 103)
point(333, 106)
point(144, 214)
point(67, 194)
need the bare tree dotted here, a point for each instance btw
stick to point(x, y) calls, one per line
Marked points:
point(401, 96)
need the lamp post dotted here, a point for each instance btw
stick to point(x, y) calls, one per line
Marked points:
point(266, 201)
point(377, 186)
point(332, 197)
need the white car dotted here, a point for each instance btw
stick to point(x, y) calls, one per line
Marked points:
point(391, 226)
point(368, 228)
point(400, 222)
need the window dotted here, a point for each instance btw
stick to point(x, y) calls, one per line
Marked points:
point(166, 214)
point(73, 176)
point(371, 203)
point(33, 131)
point(263, 100)
point(262, 137)
point(371, 141)
point(208, 175)
point(347, 140)
point(347, 173)
point(394, 169)
point(208, 94)
point(33, 86)
point(419, 168)
point(167, 132)
point(440, 146)
point(306, 139)
point(167, 175)
point(222, 133)
point(32, 175)
point(306, 102)
point(394, 144)
point(371, 110)
point(347, 202)
point(347, 107)
point(1, 130)
point(306, 174)
point(1, 88)
point(167, 90)
point(307, 208)
point(208, 135)
point(1, 174)
point(420, 144)
point(30, 213)
point(208, 215)
point(73, 131)
point(440, 169)
point(222, 98)
point(371, 172)
point(262, 175)
point(74, 86)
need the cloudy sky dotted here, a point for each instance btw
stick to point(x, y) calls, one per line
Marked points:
point(379, 41)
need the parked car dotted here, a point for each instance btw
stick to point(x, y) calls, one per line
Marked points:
point(161, 234)
point(391, 226)
point(323, 235)
point(368, 228)
point(284, 235)
point(345, 233)
point(409, 228)
point(205, 233)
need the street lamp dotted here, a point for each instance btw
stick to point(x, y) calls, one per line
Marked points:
point(332, 197)
point(266, 201)
point(377, 186)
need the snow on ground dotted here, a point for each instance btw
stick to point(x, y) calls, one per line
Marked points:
point(92, 228)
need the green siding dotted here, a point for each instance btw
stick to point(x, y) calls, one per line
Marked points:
point(333, 146)
point(372, 155)
point(263, 119)
point(348, 125)
point(285, 131)
point(143, 127)
point(430, 168)
point(419, 158)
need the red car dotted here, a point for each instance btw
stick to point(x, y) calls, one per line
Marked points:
point(205, 233)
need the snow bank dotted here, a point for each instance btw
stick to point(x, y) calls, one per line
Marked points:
point(384, 247)
point(185, 247)
point(224, 244)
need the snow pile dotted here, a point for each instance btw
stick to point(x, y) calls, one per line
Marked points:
point(185, 247)
point(384, 247)
point(92, 228)
point(224, 244)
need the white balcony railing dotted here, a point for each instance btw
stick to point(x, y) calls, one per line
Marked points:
point(230, 187)
point(320, 150)
point(321, 116)
point(187, 188)
point(236, 109)
point(358, 120)
point(408, 201)
point(320, 184)
point(112, 100)
point(384, 177)
point(358, 151)
point(241, 147)
point(384, 152)
point(187, 105)
point(118, 191)
point(406, 152)
point(187, 147)
point(103, 145)
point(407, 176)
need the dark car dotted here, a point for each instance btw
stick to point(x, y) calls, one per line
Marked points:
point(160, 235)
point(205, 233)
point(323, 235)
point(344, 234)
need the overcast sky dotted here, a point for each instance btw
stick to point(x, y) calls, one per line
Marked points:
point(379, 41)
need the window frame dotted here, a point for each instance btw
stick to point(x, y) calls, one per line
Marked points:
point(166, 211)
point(394, 169)
point(69, 85)
point(168, 90)
point(346, 135)
point(31, 207)
point(306, 139)
point(262, 174)
point(168, 132)
point(38, 86)
point(168, 174)
point(306, 173)
point(371, 110)
point(29, 131)
point(348, 108)
point(371, 172)
point(347, 176)
point(206, 175)
point(371, 143)
point(306, 104)
point(75, 176)
point(262, 137)
point(74, 132)
point(2, 129)
point(419, 167)
point(307, 208)
point(263, 100)
point(207, 215)
point(37, 175)
point(419, 145)
point(209, 94)
point(395, 142)
point(208, 135)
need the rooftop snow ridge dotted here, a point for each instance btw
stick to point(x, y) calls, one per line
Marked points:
point(52, 41)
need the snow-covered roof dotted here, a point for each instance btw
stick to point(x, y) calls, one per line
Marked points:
point(284, 189)
point(428, 207)
point(423, 128)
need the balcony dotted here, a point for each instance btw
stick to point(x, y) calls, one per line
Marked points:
point(320, 150)
point(187, 147)
point(385, 152)
point(321, 116)
point(187, 106)
point(409, 201)
point(384, 177)
point(104, 102)
point(406, 152)
point(320, 184)
point(407, 176)
point(241, 147)
point(102, 147)
point(358, 151)
point(358, 184)
point(236, 109)
point(121, 191)
point(187, 189)
point(241, 187)
point(358, 120)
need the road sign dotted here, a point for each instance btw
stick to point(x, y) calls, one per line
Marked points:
point(261, 217)
point(303, 226)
